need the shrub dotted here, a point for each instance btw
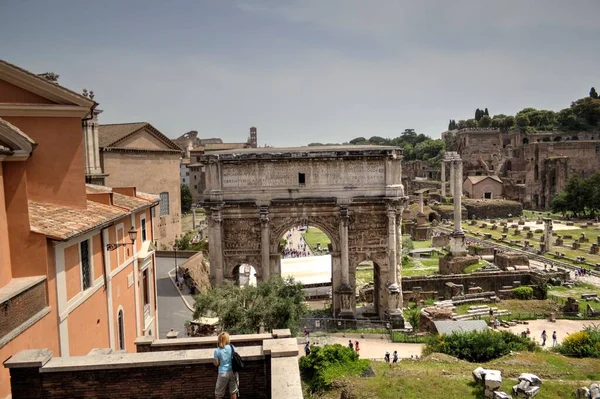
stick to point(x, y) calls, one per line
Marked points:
point(523, 292)
point(413, 316)
point(584, 343)
point(324, 365)
point(478, 346)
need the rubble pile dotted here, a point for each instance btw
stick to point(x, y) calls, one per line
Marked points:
point(592, 393)
point(491, 380)
point(528, 386)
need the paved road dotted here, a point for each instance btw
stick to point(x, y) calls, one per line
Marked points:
point(172, 312)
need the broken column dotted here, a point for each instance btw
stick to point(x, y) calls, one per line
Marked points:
point(422, 232)
point(547, 234)
point(528, 386)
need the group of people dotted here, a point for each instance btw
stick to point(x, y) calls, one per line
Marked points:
point(544, 336)
point(300, 250)
point(393, 360)
point(581, 272)
point(354, 346)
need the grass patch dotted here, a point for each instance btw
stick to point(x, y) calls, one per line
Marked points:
point(314, 236)
point(475, 267)
point(422, 244)
point(518, 309)
point(437, 374)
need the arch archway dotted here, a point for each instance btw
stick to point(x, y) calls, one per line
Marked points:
point(525, 141)
point(244, 274)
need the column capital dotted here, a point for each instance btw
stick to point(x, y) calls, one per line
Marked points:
point(264, 215)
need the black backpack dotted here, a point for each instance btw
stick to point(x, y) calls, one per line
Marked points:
point(237, 363)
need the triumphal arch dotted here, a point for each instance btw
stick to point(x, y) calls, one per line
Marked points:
point(352, 193)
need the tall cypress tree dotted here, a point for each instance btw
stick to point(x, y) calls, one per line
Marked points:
point(486, 113)
point(593, 93)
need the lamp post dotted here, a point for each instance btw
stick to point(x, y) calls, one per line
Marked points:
point(175, 249)
point(132, 233)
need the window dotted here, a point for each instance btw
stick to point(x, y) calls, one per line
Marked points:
point(143, 226)
point(187, 173)
point(301, 178)
point(195, 186)
point(86, 270)
point(195, 177)
point(121, 330)
point(164, 203)
point(145, 289)
point(487, 195)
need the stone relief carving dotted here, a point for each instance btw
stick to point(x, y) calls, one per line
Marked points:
point(367, 232)
point(241, 234)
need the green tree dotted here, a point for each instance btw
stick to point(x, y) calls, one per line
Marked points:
point(472, 123)
point(560, 204)
point(276, 303)
point(587, 109)
point(378, 140)
point(186, 198)
point(593, 93)
point(462, 124)
point(522, 121)
point(478, 114)
point(358, 140)
point(485, 121)
point(486, 112)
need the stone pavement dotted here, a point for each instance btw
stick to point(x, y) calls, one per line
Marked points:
point(562, 328)
point(172, 310)
point(370, 348)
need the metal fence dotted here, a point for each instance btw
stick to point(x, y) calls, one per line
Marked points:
point(330, 325)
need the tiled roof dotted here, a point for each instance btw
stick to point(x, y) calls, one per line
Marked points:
point(111, 135)
point(478, 179)
point(6, 127)
point(62, 222)
point(142, 200)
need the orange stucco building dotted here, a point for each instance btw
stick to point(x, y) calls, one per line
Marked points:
point(64, 284)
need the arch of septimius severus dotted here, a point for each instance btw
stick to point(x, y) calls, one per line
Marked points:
point(354, 194)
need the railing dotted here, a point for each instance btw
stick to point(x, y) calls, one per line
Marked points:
point(331, 325)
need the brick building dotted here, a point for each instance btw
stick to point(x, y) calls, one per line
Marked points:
point(533, 167)
point(137, 154)
point(65, 284)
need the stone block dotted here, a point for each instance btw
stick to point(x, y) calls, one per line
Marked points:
point(576, 245)
point(526, 228)
point(529, 234)
point(505, 229)
point(494, 227)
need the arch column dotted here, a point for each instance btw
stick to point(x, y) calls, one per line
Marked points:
point(215, 224)
point(345, 291)
point(394, 287)
point(264, 243)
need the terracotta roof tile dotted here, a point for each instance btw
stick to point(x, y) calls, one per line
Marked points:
point(109, 134)
point(62, 222)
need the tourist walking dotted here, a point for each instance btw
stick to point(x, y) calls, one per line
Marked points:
point(350, 344)
point(395, 357)
point(307, 349)
point(554, 343)
point(387, 356)
point(356, 348)
point(222, 358)
point(544, 337)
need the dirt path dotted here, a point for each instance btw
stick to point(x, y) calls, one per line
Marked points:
point(370, 348)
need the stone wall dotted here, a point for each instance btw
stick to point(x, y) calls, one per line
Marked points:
point(488, 281)
point(19, 308)
point(505, 260)
point(456, 264)
point(271, 371)
point(492, 209)
point(199, 270)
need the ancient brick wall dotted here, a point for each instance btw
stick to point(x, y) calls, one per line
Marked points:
point(194, 381)
point(492, 209)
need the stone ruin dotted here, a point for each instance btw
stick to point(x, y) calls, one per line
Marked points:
point(529, 384)
point(593, 392)
point(511, 261)
point(571, 306)
point(431, 314)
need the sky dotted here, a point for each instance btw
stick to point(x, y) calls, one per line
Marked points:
point(308, 71)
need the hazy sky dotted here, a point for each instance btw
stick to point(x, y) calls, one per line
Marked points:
point(307, 71)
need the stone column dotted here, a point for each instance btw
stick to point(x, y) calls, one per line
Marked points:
point(443, 178)
point(344, 245)
point(264, 243)
point(421, 203)
point(459, 179)
point(452, 178)
point(345, 291)
point(455, 168)
point(393, 230)
point(194, 218)
point(215, 251)
point(548, 234)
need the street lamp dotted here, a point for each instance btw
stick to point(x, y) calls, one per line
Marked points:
point(132, 236)
point(175, 249)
